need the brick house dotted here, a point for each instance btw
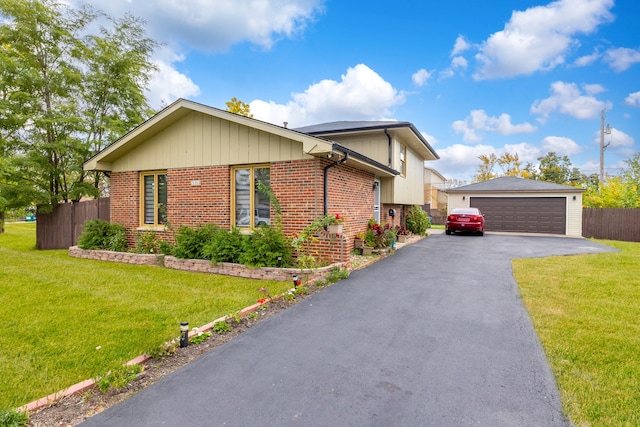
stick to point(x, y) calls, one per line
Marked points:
point(192, 164)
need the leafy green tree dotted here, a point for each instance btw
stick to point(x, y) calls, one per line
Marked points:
point(64, 95)
point(632, 172)
point(558, 169)
point(618, 191)
point(238, 107)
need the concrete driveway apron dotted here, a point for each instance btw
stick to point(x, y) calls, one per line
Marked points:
point(435, 335)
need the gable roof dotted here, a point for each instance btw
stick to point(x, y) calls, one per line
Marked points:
point(312, 145)
point(436, 173)
point(404, 129)
point(515, 184)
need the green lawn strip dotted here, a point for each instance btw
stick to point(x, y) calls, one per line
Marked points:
point(586, 310)
point(65, 320)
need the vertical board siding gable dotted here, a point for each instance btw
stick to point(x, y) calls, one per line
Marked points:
point(199, 140)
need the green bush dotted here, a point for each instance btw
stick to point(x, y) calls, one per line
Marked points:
point(119, 377)
point(190, 242)
point(417, 220)
point(100, 234)
point(13, 418)
point(226, 246)
point(267, 247)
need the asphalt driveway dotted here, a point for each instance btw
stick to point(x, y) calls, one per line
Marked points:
point(435, 335)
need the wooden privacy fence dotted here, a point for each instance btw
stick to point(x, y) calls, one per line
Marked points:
point(611, 224)
point(61, 228)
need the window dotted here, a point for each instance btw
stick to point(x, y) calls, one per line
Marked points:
point(153, 209)
point(403, 160)
point(251, 206)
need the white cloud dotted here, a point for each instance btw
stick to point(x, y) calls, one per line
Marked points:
point(621, 58)
point(586, 60)
point(211, 27)
point(432, 140)
point(525, 151)
point(460, 161)
point(616, 140)
point(460, 45)
point(361, 95)
point(197, 25)
point(593, 89)
point(458, 62)
point(445, 74)
point(568, 99)
point(478, 122)
point(421, 76)
point(560, 145)
point(540, 37)
point(633, 99)
point(168, 84)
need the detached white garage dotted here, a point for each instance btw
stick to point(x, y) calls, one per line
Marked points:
point(521, 205)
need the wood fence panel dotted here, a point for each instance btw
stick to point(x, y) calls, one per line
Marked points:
point(84, 211)
point(61, 228)
point(612, 224)
point(54, 230)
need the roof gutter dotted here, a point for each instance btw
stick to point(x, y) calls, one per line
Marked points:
point(326, 179)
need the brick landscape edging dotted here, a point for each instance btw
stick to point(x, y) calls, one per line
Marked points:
point(240, 270)
point(204, 266)
point(123, 257)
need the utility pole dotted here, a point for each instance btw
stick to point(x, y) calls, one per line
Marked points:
point(603, 146)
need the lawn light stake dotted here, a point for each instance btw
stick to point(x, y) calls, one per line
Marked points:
point(184, 334)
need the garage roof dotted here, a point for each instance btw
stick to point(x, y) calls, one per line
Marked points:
point(515, 184)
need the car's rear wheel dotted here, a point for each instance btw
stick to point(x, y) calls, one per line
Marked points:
point(481, 233)
point(447, 232)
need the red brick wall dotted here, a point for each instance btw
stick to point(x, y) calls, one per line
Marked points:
point(401, 211)
point(207, 203)
point(298, 186)
point(124, 197)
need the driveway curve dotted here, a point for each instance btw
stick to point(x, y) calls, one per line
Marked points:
point(435, 335)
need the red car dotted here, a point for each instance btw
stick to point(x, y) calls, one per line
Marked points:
point(465, 220)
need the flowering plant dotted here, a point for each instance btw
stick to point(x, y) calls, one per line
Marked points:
point(333, 219)
point(400, 230)
point(380, 236)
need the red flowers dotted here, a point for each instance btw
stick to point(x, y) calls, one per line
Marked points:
point(262, 300)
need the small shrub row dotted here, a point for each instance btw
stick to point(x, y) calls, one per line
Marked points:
point(265, 247)
point(99, 234)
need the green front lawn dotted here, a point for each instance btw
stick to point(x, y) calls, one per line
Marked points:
point(586, 310)
point(65, 320)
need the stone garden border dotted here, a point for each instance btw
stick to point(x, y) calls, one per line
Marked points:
point(204, 266)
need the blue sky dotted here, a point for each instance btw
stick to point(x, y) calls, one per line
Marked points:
point(475, 77)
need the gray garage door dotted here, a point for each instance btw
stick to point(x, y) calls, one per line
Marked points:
point(523, 214)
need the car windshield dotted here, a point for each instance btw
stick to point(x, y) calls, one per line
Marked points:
point(468, 211)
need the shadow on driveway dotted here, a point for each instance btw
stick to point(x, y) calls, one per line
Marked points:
point(434, 335)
